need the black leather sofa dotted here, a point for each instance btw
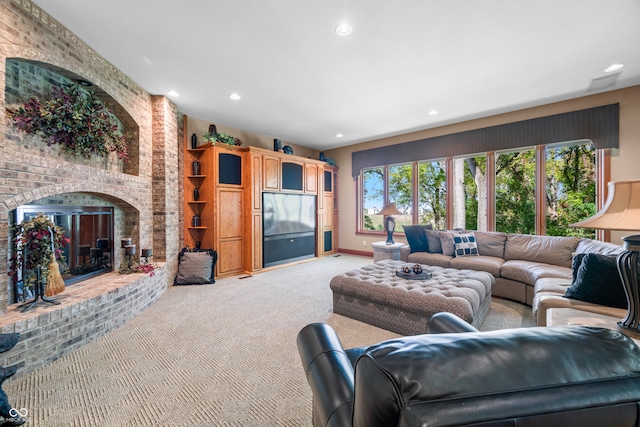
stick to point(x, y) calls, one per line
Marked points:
point(457, 376)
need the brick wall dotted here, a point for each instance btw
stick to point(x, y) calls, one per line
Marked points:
point(30, 171)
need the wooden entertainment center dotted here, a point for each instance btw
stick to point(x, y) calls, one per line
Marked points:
point(227, 212)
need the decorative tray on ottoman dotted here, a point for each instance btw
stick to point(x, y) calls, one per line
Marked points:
point(415, 272)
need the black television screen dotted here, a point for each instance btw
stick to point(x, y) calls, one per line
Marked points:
point(288, 213)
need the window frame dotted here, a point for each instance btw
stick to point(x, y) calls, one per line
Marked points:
point(602, 172)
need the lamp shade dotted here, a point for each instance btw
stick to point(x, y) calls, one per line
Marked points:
point(390, 209)
point(621, 211)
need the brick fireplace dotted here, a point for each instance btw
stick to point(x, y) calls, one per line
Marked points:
point(36, 52)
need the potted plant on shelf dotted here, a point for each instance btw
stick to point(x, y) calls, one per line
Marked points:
point(222, 138)
point(73, 118)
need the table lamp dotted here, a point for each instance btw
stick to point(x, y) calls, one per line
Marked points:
point(389, 222)
point(621, 211)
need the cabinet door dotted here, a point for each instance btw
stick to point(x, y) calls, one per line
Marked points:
point(310, 178)
point(230, 234)
point(328, 211)
point(271, 171)
point(256, 182)
point(230, 213)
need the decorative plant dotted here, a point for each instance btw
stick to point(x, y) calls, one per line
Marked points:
point(74, 119)
point(135, 267)
point(222, 138)
point(34, 237)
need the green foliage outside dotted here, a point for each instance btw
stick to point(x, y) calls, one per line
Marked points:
point(570, 191)
point(515, 192)
point(432, 193)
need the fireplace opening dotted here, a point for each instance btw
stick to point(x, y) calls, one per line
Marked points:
point(90, 251)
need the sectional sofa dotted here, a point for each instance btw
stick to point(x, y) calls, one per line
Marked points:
point(534, 270)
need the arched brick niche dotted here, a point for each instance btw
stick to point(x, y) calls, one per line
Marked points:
point(25, 79)
point(126, 223)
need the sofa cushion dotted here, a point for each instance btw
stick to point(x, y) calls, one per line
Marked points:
point(530, 271)
point(541, 249)
point(597, 281)
point(446, 242)
point(438, 260)
point(489, 264)
point(555, 285)
point(416, 237)
point(435, 247)
point(465, 244)
point(598, 247)
point(491, 243)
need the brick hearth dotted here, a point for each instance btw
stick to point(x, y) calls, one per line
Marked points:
point(87, 310)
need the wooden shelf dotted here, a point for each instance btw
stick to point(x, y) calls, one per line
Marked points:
point(197, 176)
point(197, 228)
point(197, 202)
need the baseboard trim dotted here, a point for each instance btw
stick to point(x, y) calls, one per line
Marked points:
point(353, 252)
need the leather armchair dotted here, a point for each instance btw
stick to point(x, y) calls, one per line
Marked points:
point(457, 376)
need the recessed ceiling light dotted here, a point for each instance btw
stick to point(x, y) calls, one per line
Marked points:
point(433, 112)
point(343, 29)
point(613, 67)
point(339, 135)
point(235, 96)
point(173, 93)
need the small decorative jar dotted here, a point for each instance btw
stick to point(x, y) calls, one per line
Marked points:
point(196, 194)
point(194, 141)
point(195, 167)
point(195, 221)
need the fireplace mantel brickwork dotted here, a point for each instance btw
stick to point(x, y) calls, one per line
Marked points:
point(31, 171)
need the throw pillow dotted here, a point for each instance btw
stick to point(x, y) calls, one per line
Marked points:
point(417, 238)
point(434, 242)
point(465, 244)
point(446, 240)
point(196, 268)
point(597, 281)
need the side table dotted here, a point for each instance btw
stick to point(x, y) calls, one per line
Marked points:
point(571, 316)
point(383, 251)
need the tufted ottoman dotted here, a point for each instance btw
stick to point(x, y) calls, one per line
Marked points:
point(374, 294)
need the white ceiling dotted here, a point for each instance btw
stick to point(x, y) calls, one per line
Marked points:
point(302, 83)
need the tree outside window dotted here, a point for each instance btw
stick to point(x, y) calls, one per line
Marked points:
point(570, 188)
point(373, 182)
point(515, 192)
point(432, 194)
point(400, 192)
point(470, 193)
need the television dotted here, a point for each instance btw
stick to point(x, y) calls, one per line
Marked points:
point(284, 213)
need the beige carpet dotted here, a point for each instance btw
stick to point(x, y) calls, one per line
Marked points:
point(214, 355)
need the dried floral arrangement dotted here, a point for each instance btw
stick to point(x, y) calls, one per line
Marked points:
point(37, 240)
point(74, 119)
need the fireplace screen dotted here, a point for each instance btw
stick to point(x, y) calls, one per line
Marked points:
point(90, 229)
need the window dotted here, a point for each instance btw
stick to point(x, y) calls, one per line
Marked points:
point(469, 202)
point(401, 192)
point(373, 184)
point(489, 191)
point(516, 192)
point(432, 193)
point(570, 187)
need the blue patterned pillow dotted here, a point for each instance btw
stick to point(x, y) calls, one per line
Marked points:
point(465, 244)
